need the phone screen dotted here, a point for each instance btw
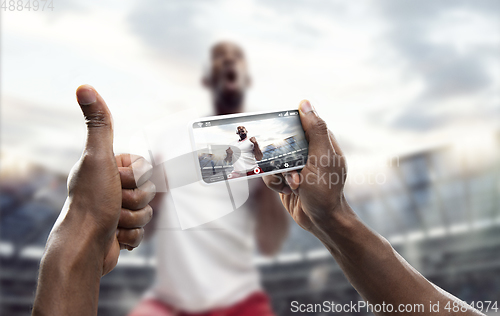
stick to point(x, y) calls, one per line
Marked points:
point(249, 145)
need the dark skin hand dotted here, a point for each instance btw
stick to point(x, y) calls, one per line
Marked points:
point(315, 200)
point(106, 210)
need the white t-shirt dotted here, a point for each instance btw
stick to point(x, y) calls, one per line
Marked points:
point(246, 160)
point(209, 266)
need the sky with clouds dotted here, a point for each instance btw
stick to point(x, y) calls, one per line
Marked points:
point(388, 76)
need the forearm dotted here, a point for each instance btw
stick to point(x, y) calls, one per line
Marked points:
point(70, 271)
point(374, 268)
point(272, 223)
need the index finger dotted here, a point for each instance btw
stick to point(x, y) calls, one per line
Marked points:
point(276, 182)
point(134, 170)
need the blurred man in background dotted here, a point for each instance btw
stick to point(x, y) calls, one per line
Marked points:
point(210, 269)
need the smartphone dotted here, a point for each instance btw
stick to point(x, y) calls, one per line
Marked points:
point(249, 145)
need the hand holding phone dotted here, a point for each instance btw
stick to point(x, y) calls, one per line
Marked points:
point(317, 192)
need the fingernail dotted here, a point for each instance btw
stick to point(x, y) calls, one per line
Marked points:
point(86, 96)
point(117, 232)
point(305, 107)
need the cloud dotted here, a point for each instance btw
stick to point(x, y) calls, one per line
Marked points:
point(310, 6)
point(446, 72)
point(44, 134)
point(170, 27)
point(186, 29)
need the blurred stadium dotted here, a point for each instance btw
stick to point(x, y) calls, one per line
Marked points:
point(438, 207)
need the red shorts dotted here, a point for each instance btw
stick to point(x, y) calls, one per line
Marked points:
point(256, 304)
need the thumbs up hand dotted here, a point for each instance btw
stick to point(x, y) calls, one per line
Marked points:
point(94, 186)
point(106, 208)
point(102, 187)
